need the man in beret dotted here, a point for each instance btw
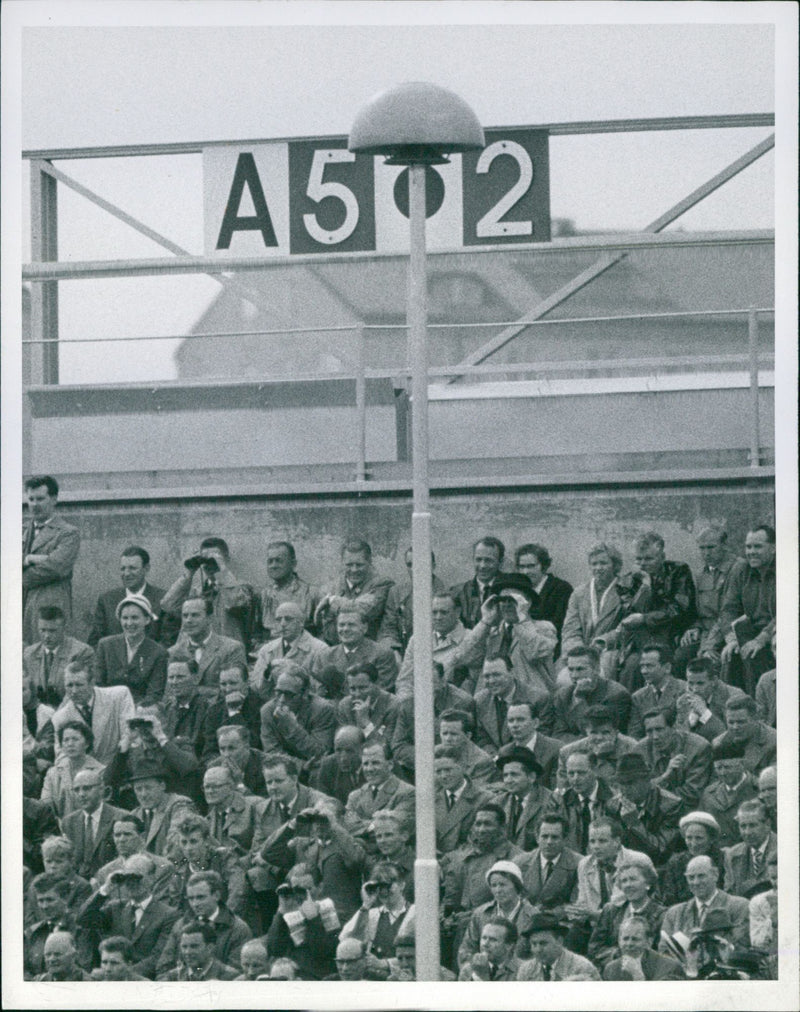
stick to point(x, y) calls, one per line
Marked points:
point(551, 961)
point(731, 785)
point(526, 801)
point(649, 814)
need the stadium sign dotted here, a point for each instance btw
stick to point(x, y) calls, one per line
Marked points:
point(313, 196)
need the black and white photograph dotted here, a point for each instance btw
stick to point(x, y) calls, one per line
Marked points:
point(399, 505)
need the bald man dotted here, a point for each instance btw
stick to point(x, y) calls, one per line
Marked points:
point(702, 877)
point(293, 642)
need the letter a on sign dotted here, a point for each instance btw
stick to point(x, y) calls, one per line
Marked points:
point(246, 174)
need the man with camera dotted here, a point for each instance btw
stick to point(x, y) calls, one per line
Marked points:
point(384, 909)
point(125, 905)
point(129, 839)
point(234, 609)
point(306, 925)
point(317, 838)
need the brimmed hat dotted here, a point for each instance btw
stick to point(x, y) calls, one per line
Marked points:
point(714, 921)
point(631, 767)
point(140, 601)
point(506, 868)
point(513, 581)
point(702, 819)
point(727, 750)
point(147, 769)
point(518, 754)
point(545, 922)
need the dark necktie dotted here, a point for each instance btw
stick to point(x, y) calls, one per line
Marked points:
point(548, 871)
point(493, 971)
point(374, 790)
point(48, 667)
point(513, 816)
point(88, 836)
point(30, 535)
point(86, 713)
point(501, 709)
point(586, 818)
point(148, 820)
point(604, 897)
point(504, 649)
point(284, 812)
point(287, 646)
point(547, 972)
point(757, 860)
point(451, 800)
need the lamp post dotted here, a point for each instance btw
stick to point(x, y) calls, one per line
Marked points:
point(417, 125)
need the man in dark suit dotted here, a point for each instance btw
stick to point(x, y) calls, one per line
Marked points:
point(457, 799)
point(46, 660)
point(381, 790)
point(587, 689)
point(551, 873)
point(90, 827)
point(236, 703)
point(604, 742)
point(354, 648)
point(212, 651)
point(50, 547)
point(184, 709)
point(446, 696)
point(366, 705)
point(125, 905)
point(246, 763)
point(340, 773)
point(296, 722)
point(492, 703)
point(487, 558)
point(522, 721)
point(746, 862)
point(525, 801)
point(732, 784)
point(660, 691)
point(679, 761)
point(134, 568)
point(702, 876)
point(552, 593)
point(584, 799)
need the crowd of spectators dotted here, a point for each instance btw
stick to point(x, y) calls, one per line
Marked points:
point(219, 781)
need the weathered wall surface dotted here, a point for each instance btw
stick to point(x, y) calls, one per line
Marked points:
point(568, 521)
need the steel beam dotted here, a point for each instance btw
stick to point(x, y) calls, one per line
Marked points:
point(44, 298)
point(610, 259)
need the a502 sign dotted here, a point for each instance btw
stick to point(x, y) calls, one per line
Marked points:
point(310, 196)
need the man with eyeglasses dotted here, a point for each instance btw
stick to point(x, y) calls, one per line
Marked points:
point(297, 722)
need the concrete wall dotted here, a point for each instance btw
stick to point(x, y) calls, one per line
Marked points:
point(567, 520)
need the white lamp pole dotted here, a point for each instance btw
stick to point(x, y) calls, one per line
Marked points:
point(415, 125)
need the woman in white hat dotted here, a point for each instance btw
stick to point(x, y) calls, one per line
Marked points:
point(700, 832)
point(505, 880)
point(132, 658)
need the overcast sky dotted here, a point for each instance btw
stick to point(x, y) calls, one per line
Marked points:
point(101, 84)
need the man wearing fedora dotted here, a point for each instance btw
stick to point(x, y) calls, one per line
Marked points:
point(649, 814)
point(159, 810)
point(506, 629)
point(551, 960)
point(133, 657)
point(730, 913)
point(134, 569)
point(526, 801)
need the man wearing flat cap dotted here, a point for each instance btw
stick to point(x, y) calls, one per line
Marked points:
point(526, 801)
point(506, 629)
point(732, 784)
point(649, 814)
point(551, 961)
